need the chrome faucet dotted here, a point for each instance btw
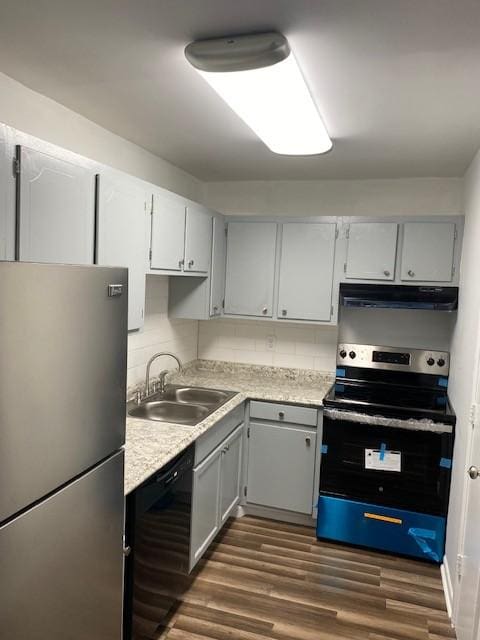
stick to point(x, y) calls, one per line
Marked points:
point(162, 374)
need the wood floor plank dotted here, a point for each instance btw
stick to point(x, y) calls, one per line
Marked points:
point(267, 580)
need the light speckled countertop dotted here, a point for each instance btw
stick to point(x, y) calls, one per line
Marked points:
point(150, 444)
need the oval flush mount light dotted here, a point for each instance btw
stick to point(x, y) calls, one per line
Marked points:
point(259, 78)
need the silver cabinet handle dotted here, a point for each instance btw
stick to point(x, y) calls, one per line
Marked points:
point(190, 264)
point(215, 309)
point(386, 273)
point(181, 263)
point(411, 273)
point(265, 310)
point(127, 551)
point(281, 415)
point(308, 441)
point(284, 312)
point(473, 472)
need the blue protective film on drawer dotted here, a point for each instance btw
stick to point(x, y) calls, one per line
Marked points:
point(340, 372)
point(443, 382)
point(395, 530)
point(446, 463)
point(324, 448)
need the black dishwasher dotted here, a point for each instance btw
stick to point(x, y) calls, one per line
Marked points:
point(157, 540)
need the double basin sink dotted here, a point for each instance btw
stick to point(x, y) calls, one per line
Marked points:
point(182, 405)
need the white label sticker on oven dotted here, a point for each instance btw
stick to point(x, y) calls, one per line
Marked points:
point(383, 460)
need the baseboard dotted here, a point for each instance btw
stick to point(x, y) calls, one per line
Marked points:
point(447, 586)
point(275, 514)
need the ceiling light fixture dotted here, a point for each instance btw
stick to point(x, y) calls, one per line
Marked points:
point(259, 78)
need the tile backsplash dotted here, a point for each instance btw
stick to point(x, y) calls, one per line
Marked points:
point(268, 343)
point(159, 333)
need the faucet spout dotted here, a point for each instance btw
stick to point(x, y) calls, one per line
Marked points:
point(149, 365)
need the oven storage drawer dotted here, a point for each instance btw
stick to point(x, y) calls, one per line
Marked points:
point(368, 525)
point(417, 480)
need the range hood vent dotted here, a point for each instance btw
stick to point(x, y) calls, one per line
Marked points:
point(391, 296)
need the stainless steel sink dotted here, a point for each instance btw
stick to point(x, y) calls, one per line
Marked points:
point(167, 411)
point(182, 405)
point(196, 395)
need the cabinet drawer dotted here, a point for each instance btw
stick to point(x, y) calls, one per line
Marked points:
point(394, 530)
point(207, 442)
point(283, 413)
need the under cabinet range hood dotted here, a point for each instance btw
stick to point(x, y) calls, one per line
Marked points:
point(400, 296)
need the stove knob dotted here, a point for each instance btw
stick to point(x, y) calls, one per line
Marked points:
point(352, 354)
point(430, 361)
point(343, 353)
point(440, 362)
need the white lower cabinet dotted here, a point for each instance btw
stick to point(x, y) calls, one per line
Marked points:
point(216, 492)
point(281, 466)
point(230, 474)
point(205, 505)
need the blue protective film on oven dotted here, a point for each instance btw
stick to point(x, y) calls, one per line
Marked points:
point(446, 463)
point(383, 448)
point(324, 448)
point(341, 372)
point(421, 536)
point(443, 382)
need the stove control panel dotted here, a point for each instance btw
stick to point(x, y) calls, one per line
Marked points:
point(393, 358)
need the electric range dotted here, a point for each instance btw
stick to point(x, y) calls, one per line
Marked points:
point(387, 445)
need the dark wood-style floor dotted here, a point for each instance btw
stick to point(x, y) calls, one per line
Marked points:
point(265, 580)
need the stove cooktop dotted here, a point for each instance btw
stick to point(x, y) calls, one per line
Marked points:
point(390, 400)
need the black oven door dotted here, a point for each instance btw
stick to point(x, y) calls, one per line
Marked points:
point(390, 466)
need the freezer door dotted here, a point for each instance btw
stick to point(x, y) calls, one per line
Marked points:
point(63, 346)
point(61, 562)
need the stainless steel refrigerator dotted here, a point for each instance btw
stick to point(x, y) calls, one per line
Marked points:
point(63, 345)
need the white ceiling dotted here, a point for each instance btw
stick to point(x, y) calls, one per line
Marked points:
point(397, 81)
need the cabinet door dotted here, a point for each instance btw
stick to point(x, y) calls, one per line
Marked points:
point(306, 271)
point(56, 211)
point(121, 237)
point(205, 505)
point(281, 466)
point(427, 253)
point(198, 239)
point(168, 232)
point(371, 250)
point(250, 268)
point(230, 476)
point(217, 279)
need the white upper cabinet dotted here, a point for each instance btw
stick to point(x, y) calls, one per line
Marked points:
point(306, 271)
point(198, 239)
point(250, 269)
point(56, 210)
point(428, 251)
point(122, 238)
point(168, 232)
point(371, 250)
point(181, 235)
point(219, 254)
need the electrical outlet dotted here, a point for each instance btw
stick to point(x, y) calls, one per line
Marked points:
point(270, 343)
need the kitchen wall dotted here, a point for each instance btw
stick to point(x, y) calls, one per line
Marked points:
point(44, 118)
point(160, 333)
point(314, 347)
point(403, 196)
point(268, 343)
point(397, 328)
point(465, 361)
point(39, 116)
point(309, 347)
